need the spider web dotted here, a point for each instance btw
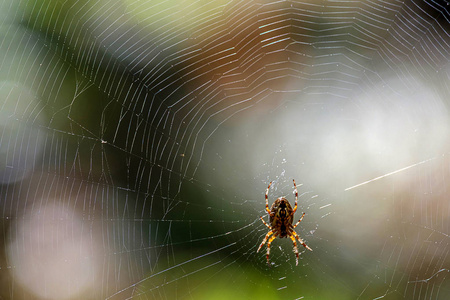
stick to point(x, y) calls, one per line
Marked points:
point(138, 137)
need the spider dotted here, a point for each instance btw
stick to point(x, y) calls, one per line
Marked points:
point(281, 216)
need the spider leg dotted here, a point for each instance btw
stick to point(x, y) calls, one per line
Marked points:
point(264, 240)
point(300, 240)
point(268, 247)
point(299, 220)
point(268, 226)
point(296, 197)
point(295, 248)
point(267, 201)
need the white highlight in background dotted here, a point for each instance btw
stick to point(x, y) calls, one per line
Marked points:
point(52, 253)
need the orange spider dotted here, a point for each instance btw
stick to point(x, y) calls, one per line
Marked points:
point(281, 218)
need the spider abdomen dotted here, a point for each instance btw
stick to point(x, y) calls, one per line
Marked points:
point(281, 217)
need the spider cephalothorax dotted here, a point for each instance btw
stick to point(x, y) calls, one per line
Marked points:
point(281, 216)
